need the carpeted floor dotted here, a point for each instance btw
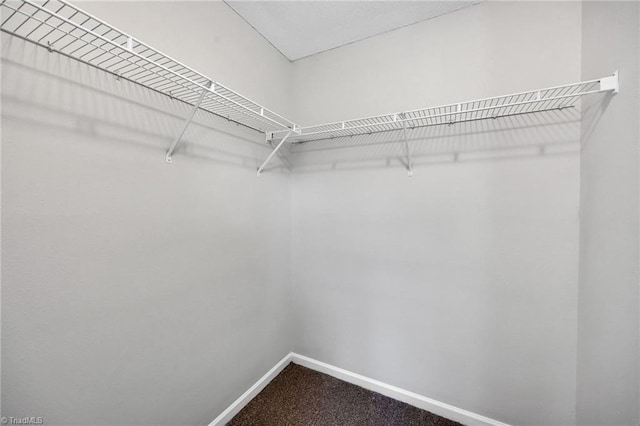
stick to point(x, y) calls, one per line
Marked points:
point(300, 396)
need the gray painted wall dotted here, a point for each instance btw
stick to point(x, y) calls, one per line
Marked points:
point(136, 292)
point(459, 283)
point(608, 358)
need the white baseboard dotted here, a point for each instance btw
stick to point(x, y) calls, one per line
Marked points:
point(436, 407)
point(226, 416)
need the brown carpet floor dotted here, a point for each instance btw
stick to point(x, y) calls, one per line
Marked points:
point(300, 396)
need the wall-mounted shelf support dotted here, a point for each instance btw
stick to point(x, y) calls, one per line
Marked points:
point(610, 84)
point(406, 147)
point(275, 150)
point(187, 121)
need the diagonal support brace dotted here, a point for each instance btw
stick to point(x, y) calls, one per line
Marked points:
point(273, 153)
point(406, 147)
point(178, 139)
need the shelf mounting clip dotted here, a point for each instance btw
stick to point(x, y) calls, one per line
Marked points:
point(610, 83)
point(187, 121)
point(275, 150)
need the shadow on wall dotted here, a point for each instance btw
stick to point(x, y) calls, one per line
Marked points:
point(542, 134)
point(592, 111)
point(46, 89)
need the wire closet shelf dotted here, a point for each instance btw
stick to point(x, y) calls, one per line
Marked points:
point(68, 30)
point(549, 99)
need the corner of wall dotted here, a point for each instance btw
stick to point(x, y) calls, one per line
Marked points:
point(607, 373)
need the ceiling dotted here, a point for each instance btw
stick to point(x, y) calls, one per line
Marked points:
point(303, 28)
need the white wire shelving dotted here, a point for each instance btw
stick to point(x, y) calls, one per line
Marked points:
point(68, 30)
point(534, 101)
point(548, 99)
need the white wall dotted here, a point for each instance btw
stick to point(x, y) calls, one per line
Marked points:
point(136, 292)
point(460, 283)
point(608, 337)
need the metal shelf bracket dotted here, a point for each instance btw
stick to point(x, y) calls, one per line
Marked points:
point(187, 121)
point(406, 147)
point(275, 150)
point(610, 84)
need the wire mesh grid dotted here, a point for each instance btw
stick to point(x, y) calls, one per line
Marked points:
point(554, 98)
point(68, 30)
